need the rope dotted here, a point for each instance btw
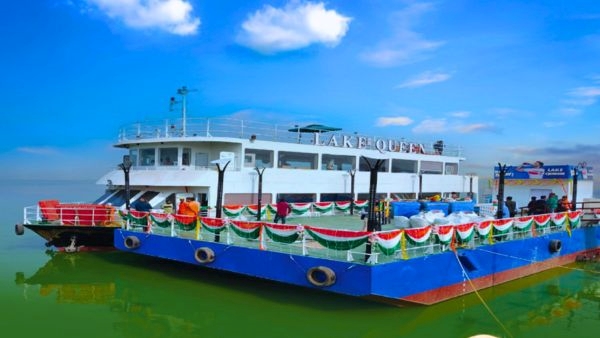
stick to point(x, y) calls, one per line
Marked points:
point(480, 297)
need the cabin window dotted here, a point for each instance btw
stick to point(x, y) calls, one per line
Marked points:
point(291, 160)
point(133, 156)
point(404, 166)
point(338, 162)
point(186, 154)
point(363, 166)
point(168, 156)
point(431, 167)
point(258, 158)
point(201, 160)
point(147, 157)
point(451, 168)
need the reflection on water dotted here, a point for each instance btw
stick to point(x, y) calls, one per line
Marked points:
point(141, 296)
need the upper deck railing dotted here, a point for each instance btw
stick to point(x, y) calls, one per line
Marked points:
point(244, 129)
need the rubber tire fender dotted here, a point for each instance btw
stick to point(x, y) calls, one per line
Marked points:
point(132, 242)
point(555, 245)
point(204, 255)
point(19, 229)
point(321, 276)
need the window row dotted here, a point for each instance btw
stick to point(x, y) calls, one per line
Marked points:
point(261, 158)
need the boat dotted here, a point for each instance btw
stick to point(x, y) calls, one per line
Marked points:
point(72, 227)
point(237, 169)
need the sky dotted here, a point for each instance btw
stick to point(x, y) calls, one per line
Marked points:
point(507, 81)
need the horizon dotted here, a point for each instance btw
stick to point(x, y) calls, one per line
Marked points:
point(508, 82)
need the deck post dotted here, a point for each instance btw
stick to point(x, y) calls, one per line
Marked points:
point(260, 172)
point(372, 223)
point(501, 175)
point(574, 198)
point(219, 205)
point(352, 172)
point(126, 167)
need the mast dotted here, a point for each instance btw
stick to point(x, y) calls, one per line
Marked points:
point(183, 91)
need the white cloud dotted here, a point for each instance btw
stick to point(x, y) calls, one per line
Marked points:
point(38, 150)
point(297, 25)
point(424, 79)
point(394, 121)
point(460, 114)
point(472, 128)
point(585, 96)
point(431, 126)
point(438, 126)
point(406, 45)
point(173, 16)
point(552, 124)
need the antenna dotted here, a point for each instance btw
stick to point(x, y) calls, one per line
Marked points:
point(183, 91)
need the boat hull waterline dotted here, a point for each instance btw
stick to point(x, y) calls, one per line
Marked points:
point(423, 280)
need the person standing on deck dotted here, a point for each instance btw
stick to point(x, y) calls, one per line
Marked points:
point(142, 205)
point(183, 208)
point(564, 205)
point(194, 206)
point(511, 205)
point(283, 209)
point(552, 202)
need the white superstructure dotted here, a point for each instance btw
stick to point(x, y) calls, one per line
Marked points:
point(301, 163)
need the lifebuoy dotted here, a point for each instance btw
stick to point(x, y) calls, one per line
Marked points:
point(204, 255)
point(19, 229)
point(321, 276)
point(132, 242)
point(555, 245)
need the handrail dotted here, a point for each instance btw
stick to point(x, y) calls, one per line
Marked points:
point(172, 129)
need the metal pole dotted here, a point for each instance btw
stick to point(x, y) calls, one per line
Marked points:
point(220, 194)
point(260, 175)
point(501, 175)
point(126, 166)
point(352, 172)
point(471, 187)
point(372, 224)
point(574, 199)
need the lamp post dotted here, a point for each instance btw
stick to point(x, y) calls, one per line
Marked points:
point(352, 172)
point(126, 166)
point(219, 205)
point(372, 224)
point(501, 174)
point(260, 172)
point(574, 198)
point(183, 91)
point(471, 175)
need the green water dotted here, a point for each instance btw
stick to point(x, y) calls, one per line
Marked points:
point(116, 294)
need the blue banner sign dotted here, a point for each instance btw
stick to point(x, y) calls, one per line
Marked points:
point(532, 171)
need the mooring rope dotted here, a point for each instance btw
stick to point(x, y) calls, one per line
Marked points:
point(487, 307)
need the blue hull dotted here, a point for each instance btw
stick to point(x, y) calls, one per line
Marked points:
point(424, 280)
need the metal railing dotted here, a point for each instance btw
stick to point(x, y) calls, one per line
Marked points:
point(244, 129)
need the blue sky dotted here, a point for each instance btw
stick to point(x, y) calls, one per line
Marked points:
point(509, 81)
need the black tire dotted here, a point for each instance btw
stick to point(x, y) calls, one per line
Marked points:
point(132, 242)
point(204, 255)
point(555, 245)
point(19, 229)
point(321, 276)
